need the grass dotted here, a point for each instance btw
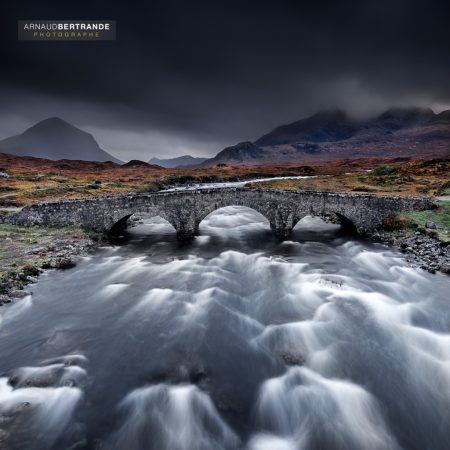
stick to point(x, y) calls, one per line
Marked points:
point(417, 220)
point(413, 178)
point(358, 183)
point(33, 179)
point(440, 216)
point(30, 235)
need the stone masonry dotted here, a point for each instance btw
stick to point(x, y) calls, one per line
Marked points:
point(186, 209)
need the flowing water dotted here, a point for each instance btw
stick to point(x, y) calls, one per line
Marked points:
point(234, 341)
point(228, 184)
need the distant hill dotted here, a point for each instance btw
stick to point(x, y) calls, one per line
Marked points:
point(54, 138)
point(242, 153)
point(180, 161)
point(137, 163)
point(333, 135)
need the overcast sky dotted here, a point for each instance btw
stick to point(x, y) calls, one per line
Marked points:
point(196, 76)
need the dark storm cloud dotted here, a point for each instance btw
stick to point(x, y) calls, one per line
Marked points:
point(198, 75)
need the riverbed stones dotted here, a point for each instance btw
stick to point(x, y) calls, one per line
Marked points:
point(292, 358)
point(420, 248)
point(17, 293)
point(65, 263)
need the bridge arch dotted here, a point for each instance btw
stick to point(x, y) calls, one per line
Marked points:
point(205, 217)
point(346, 225)
point(122, 224)
point(206, 212)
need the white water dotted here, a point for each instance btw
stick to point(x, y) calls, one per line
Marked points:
point(236, 341)
point(177, 417)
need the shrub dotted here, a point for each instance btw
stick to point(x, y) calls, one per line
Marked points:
point(30, 270)
point(383, 169)
point(396, 222)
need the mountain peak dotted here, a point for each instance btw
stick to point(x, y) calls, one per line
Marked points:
point(54, 138)
point(54, 120)
point(236, 154)
point(442, 118)
point(408, 113)
point(54, 124)
point(325, 126)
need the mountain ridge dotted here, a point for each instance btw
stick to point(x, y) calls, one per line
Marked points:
point(333, 134)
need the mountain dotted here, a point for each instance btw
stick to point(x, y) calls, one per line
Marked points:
point(55, 139)
point(441, 118)
point(242, 153)
point(325, 126)
point(334, 135)
point(180, 161)
point(397, 119)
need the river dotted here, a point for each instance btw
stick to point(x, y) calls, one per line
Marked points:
point(228, 184)
point(236, 340)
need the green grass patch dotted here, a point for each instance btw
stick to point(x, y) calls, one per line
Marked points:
point(418, 219)
point(440, 216)
point(382, 170)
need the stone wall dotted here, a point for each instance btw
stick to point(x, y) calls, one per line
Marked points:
point(186, 209)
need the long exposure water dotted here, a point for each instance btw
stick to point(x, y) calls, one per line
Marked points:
point(234, 341)
point(228, 184)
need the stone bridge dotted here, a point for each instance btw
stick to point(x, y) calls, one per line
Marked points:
point(186, 209)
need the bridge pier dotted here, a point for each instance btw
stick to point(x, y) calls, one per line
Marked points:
point(186, 234)
point(282, 221)
point(281, 230)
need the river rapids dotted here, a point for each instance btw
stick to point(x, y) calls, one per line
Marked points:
point(235, 341)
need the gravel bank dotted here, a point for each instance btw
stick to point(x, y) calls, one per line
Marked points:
point(421, 248)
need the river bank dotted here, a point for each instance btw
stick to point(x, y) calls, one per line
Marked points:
point(421, 248)
point(423, 236)
point(27, 251)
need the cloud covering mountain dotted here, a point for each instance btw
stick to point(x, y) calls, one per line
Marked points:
point(195, 77)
